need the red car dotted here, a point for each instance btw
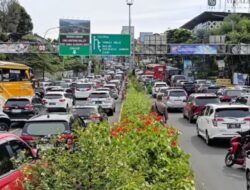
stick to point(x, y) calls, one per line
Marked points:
point(196, 103)
point(11, 176)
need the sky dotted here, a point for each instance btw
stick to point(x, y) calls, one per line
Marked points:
point(108, 16)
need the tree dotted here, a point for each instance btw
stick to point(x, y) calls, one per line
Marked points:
point(14, 19)
point(179, 36)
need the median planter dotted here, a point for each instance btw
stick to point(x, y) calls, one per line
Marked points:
point(136, 153)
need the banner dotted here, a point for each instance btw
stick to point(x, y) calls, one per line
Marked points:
point(240, 78)
point(14, 48)
point(74, 26)
point(193, 49)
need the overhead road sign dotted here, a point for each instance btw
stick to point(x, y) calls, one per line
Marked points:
point(111, 44)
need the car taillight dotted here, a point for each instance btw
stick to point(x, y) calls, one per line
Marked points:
point(28, 107)
point(247, 119)
point(27, 138)
point(197, 109)
point(62, 100)
point(6, 107)
point(216, 120)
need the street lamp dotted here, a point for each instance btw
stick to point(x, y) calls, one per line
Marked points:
point(130, 3)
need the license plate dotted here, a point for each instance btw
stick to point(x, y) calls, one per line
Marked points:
point(98, 102)
point(52, 103)
point(233, 126)
point(16, 111)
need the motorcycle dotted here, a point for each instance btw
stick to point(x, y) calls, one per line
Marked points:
point(235, 153)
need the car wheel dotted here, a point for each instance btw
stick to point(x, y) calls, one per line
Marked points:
point(248, 179)
point(229, 160)
point(4, 126)
point(114, 109)
point(197, 130)
point(208, 140)
point(184, 116)
point(111, 113)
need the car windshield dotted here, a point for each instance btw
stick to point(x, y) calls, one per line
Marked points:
point(233, 112)
point(177, 93)
point(84, 112)
point(83, 85)
point(17, 102)
point(202, 101)
point(98, 95)
point(45, 128)
point(53, 96)
point(233, 93)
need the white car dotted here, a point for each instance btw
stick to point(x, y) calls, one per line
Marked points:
point(248, 170)
point(175, 98)
point(156, 88)
point(83, 90)
point(58, 100)
point(222, 121)
point(103, 99)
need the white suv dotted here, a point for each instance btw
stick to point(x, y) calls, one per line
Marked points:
point(58, 100)
point(175, 98)
point(222, 121)
point(156, 88)
point(83, 90)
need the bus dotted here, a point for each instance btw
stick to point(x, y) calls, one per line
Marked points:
point(156, 70)
point(15, 80)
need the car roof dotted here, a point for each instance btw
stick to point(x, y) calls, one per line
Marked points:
point(52, 117)
point(226, 105)
point(195, 95)
point(56, 92)
point(21, 97)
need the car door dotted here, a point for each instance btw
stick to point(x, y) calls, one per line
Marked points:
point(200, 120)
point(11, 176)
point(206, 120)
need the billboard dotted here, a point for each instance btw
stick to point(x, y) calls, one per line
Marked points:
point(240, 78)
point(72, 26)
point(14, 48)
point(192, 49)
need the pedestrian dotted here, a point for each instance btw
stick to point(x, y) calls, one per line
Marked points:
point(160, 108)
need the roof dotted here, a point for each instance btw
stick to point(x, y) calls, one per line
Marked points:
point(216, 106)
point(51, 117)
point(5, 64)
point(208, 16)
point(203, 95)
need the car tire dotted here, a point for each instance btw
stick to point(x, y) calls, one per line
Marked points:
point(111, 113)
point(229, 160)
point(208, 140)
point(4, 126)
point(197, 131)
point(248, 179)
point(114, 110)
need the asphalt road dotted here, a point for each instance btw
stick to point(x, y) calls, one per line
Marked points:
point(208, 162)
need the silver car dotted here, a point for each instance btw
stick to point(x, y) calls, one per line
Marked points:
point(175, 98)
point(103, 99)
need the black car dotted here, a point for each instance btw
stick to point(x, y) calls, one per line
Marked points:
point(189, 87)
point(21, 109)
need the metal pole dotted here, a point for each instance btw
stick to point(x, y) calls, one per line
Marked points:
point(129, 30)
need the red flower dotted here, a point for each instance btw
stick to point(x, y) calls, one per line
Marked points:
point(158, 118)
point(173, 143)
point(114, 134)
point(155, 129)
point(147, 123)
point(137, 113)
point(140, 129)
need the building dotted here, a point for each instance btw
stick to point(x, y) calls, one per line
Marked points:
point(125, 30)
point(143, 35)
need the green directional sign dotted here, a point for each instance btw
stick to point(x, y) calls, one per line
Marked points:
point(65, 50)
point(111, 44)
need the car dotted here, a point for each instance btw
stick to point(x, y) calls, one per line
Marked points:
point(11, 146)
point(222, 121)
point(243, 99)
point(180, 82)
point(211, 89)
point(196, 103)
point(112, 87)
point(163, 90)
point(248, 169)
point(112, 94)
point(117, 83)
point(20, 109)
point(45, 126)
point(90, 113)
point(175, 98)
point(189, 87)
point(58, 100)
point(156, 88)
point(40, 92)
point(103, 99)
point(229, 94)
point(83, 90)
point(174, 79)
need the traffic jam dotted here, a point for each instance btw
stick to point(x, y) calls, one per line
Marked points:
point(218, 110)
point(31, 123)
